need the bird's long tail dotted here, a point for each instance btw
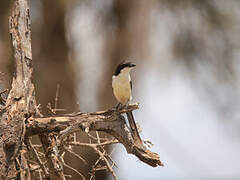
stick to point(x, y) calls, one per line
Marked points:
point(134, 128)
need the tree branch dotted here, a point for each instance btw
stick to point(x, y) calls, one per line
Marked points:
point(21, 102)
point(110, 121)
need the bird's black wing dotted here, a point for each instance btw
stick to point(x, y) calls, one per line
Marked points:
point(131, 84)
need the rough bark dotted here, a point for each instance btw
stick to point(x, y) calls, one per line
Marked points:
point(20, 103)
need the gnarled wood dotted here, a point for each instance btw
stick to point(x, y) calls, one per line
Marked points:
point(21, 102)
point(110, 121)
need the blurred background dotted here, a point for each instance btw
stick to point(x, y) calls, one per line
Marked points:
point(187, 78)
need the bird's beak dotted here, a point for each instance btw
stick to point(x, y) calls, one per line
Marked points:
point(132, 65)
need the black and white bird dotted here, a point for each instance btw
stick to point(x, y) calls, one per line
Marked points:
point(122, 90)
point(121, 82)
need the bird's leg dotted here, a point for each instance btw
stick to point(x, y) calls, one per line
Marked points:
point(119, 106)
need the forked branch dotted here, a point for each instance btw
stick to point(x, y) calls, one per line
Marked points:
point(110, 121)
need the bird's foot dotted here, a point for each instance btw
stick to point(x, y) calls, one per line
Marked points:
point(117, 107)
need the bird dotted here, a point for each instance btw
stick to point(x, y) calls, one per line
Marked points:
point(122, 90)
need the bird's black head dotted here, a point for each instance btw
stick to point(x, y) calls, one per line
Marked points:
point(123, 65)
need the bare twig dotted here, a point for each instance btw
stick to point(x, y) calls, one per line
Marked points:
point(73, 169)
point(94, 145)
point(25, 172)
point(102, 157)
point(40, 176)
point(39, 161)
point(56, 97)
point(95, 138)
point(52, 156)
point(53, 110)
point(75, 154)
point(109, 167)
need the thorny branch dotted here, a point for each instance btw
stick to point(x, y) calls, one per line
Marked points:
point(21, 119)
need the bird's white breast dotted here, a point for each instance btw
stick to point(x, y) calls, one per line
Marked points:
point(121, 87)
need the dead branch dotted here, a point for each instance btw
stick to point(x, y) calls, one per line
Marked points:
point(20, 103)
point(52, 155)
point(110, 121)
point(39, 161)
